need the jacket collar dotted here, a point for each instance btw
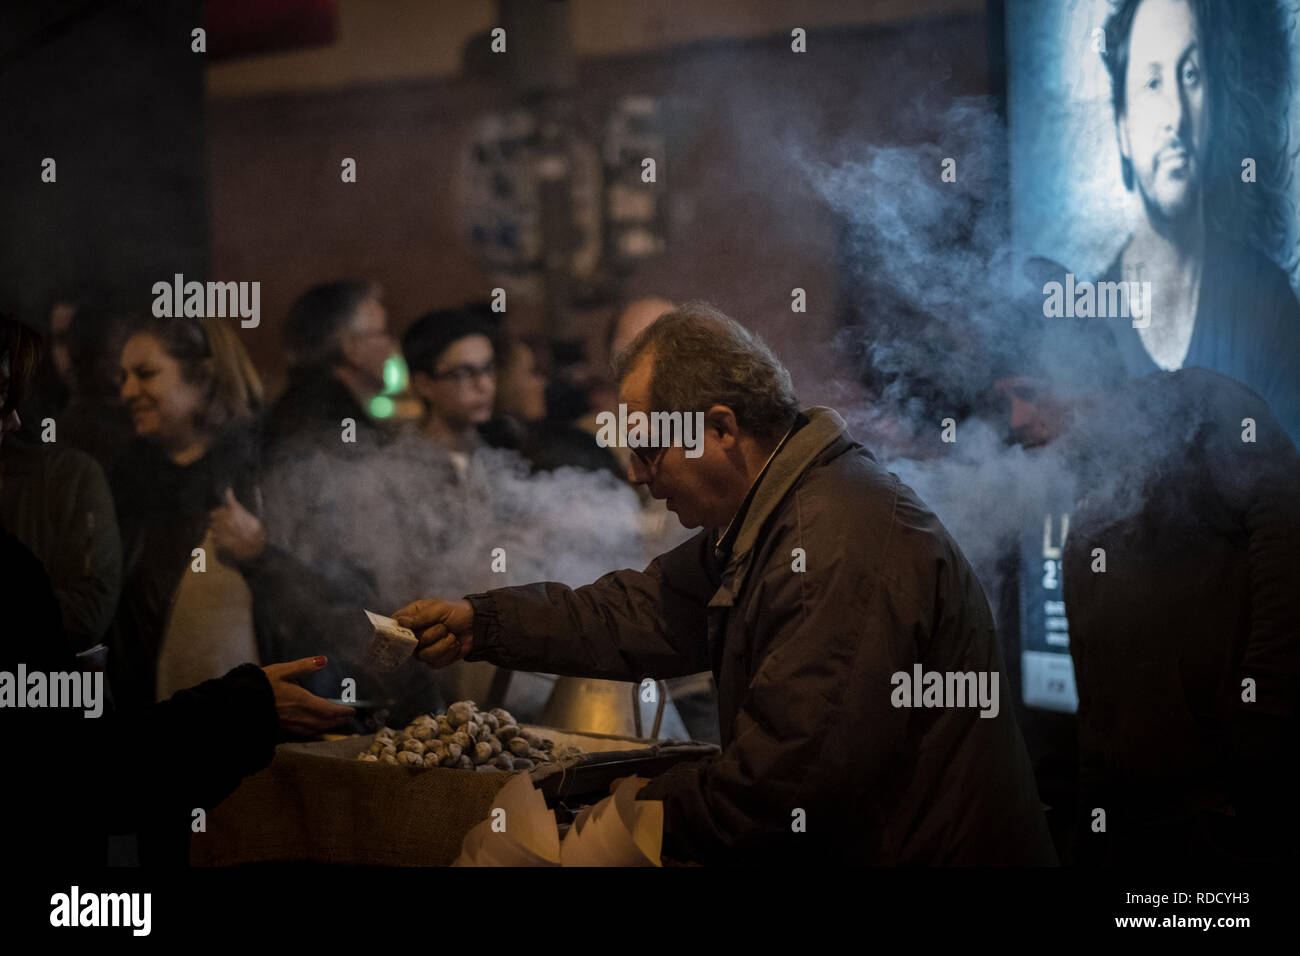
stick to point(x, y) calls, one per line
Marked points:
point(791, 459)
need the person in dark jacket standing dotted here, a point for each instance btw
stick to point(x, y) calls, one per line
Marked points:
point(125, 772)
point(202, 589)
point(855, 656)
point(1182, 579)
point(338, 342)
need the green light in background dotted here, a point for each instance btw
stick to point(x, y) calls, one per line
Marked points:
point(395, 375)
point(381, 406)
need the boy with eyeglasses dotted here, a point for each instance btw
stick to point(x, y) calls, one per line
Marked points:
point(452, 365)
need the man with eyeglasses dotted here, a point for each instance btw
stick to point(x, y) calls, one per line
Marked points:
point(818, 579)
point(338, 341)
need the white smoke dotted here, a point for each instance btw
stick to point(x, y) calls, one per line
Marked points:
point(402, 515)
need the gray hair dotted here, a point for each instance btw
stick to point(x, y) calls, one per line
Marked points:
point(702, 358)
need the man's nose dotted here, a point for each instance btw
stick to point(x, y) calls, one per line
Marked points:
point(1178, 112)
point(637, 473)
point(11, 422)
point(129, 389)
point(1184, 118)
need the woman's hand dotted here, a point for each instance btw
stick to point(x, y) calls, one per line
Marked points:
point(301, 712)
point(237, 532)
point(445, 629)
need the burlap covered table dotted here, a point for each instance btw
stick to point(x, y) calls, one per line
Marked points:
point(317, 803)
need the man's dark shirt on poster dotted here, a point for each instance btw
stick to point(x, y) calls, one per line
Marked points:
point(1247, 327)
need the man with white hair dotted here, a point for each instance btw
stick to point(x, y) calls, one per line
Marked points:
point(832, 607)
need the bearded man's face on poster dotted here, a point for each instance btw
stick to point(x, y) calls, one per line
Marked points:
point(1164, 127)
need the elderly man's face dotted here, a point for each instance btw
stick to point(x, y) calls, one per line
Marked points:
point(700, 491)
point(367, 343)
point(1165, 126)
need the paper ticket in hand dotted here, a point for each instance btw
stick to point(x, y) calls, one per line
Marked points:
point(391, 645)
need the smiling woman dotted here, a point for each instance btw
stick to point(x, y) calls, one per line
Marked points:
point(186, 612)
point(165, 405)
point(184, 381)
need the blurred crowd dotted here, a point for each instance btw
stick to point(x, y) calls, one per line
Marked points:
point(147, 449)
point(181, 531)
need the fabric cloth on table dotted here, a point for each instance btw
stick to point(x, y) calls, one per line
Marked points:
point(317, 803)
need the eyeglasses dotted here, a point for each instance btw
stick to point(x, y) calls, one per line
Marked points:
point(649, 458)
point(464, 374)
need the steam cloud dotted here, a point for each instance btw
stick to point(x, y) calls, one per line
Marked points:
point(401, 515)
point(946, 304)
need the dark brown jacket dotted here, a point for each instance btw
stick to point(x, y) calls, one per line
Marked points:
point(803, 662)
point(85, 777)
point(1200, 531)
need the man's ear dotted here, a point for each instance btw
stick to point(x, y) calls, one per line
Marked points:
point(722, 420)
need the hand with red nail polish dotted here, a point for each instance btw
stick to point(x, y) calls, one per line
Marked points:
point(301, 712)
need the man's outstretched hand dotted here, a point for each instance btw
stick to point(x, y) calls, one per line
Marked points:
point(445, 629)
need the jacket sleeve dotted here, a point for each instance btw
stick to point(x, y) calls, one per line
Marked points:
point(628, 625)
point(187, 752)
point(815, 725)
point(1272, 656)
point(86, 572)
point(120, 771)
point(1259, 482)
point(307, 604)
point(305, 607)
point(301, 612)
